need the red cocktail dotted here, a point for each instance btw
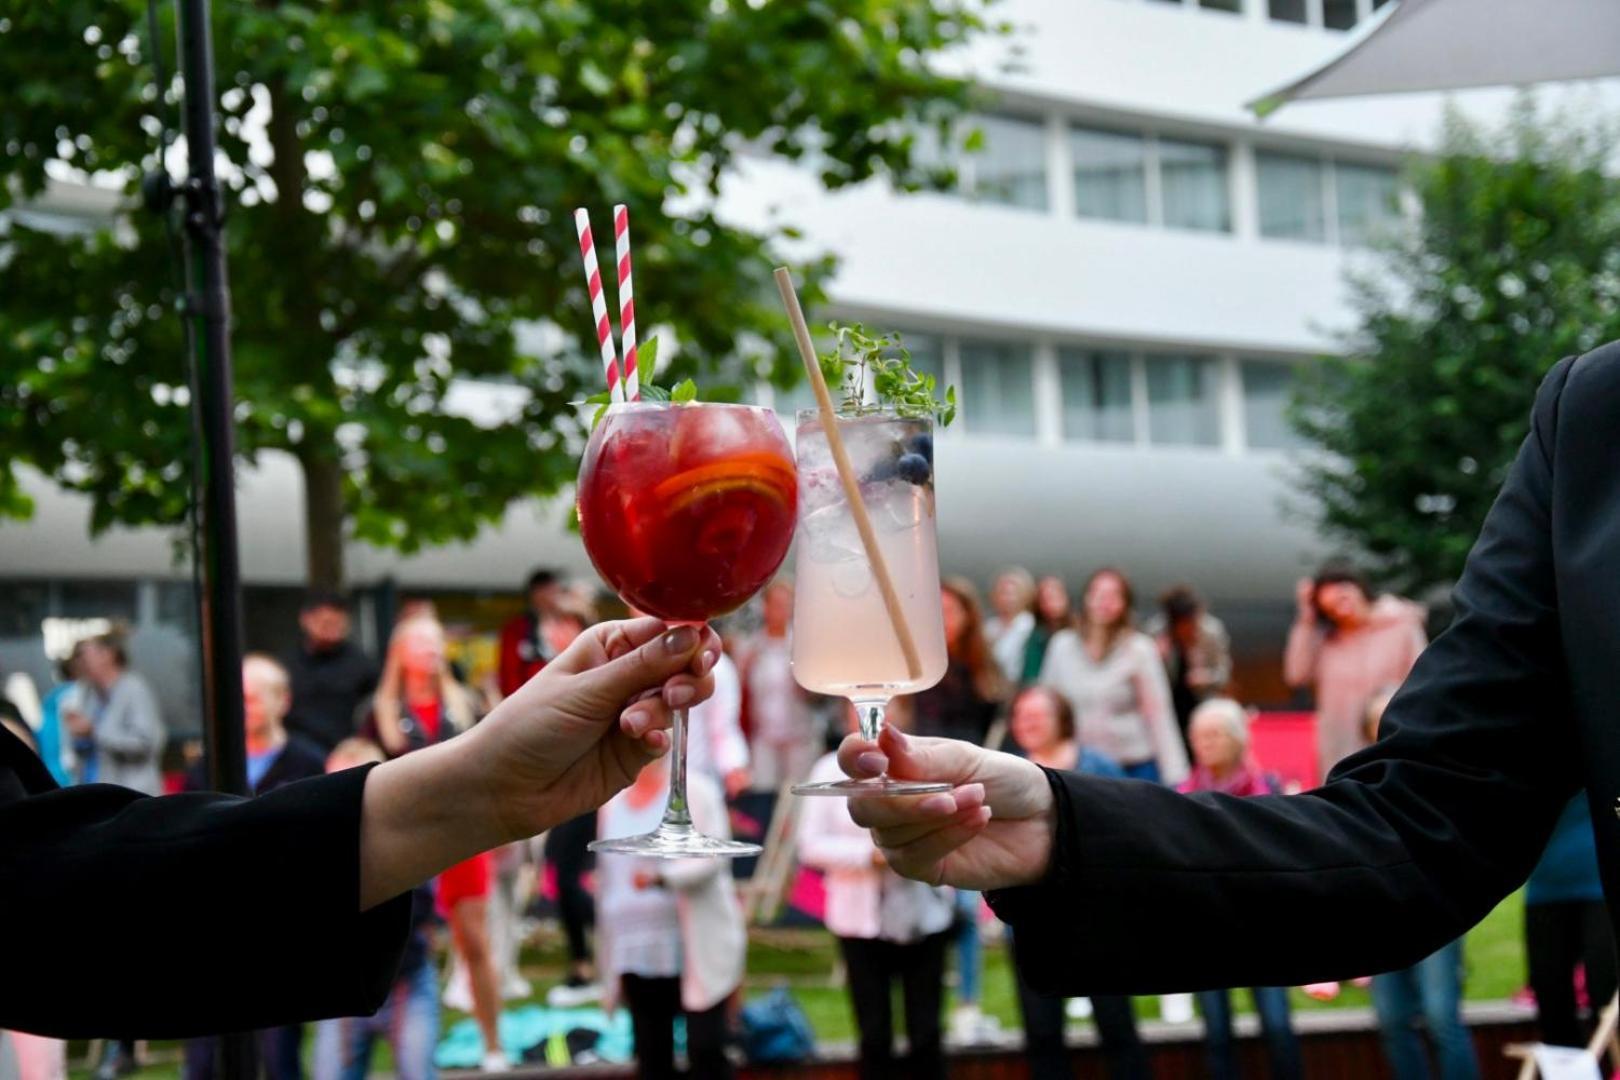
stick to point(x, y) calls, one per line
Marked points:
point(687, 511)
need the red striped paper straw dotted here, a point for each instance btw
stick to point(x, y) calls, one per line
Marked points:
point(593, 283)
point(627, 301)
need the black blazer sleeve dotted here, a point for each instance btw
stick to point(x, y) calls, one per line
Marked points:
point(130, 916)
point(1408, 844)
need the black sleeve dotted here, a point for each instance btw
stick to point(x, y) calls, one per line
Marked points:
point(131, 916)
point(1410, 842)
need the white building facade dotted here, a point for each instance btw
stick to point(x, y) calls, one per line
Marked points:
point(1122, 291)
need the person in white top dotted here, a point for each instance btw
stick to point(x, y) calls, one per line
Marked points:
point(780, 722)
point(670, 938)
point(718, 747)
point(1113, 678)
point(1008, 628)
point(888, 928)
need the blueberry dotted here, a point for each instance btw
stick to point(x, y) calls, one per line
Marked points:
point(914, 469)
point(922, 445)
point(882, 471)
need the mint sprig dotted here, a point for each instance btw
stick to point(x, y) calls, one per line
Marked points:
point(895, 384)
point(681, 393)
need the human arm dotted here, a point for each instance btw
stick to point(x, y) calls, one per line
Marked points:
point(1304, 647)
point(101, 878)
point(1153, 703)
point(1409, 843)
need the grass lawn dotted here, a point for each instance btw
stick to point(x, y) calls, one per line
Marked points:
point(804, 960)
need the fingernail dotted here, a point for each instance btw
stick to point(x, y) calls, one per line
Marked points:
point(871, 762)
point(657, 742)
point(634, 723)
point(679, 696)
point(971, 793)
point(938, 804)
point(985, 813)
point(682, 639)
point(707, 662)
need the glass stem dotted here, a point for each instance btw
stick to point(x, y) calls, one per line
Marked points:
point(678, 814)
point(870, 712)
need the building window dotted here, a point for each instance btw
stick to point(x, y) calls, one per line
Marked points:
point(927, 355)
point(1291, 201)
point(1234, 6)
point(1010, 165)
point(1288, 10)
point(1096, 396)
point(1267, 385)
point(1339, 14)
point(1192, 181)
point(1367, 200)
point(998, 388)
point(1110, 174)
point(1182, 405)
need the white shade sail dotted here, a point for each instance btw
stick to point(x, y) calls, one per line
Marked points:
point(1453, 44)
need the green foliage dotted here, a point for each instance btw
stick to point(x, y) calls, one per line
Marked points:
point(401, 179)
point(855, 354)
point(1513, 264)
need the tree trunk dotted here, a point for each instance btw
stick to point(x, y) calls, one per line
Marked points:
point(323, 520)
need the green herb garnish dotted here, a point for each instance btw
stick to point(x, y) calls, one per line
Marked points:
point(895, 385)
point(646, 359)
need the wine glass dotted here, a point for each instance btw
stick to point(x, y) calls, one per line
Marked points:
point(845, 642)
point(686, 511)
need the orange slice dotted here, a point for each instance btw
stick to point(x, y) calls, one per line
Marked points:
point(764, 467)
point(759, 485)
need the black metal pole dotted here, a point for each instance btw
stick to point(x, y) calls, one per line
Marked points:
point(208, 305)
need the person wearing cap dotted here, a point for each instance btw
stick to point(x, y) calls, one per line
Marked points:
point(1409, 843)
point(325, 941)
point(330, 675)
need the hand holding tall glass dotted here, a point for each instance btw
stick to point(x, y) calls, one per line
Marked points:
point(847, 637)
point(686, 511)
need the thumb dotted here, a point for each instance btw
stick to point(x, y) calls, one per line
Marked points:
point(644, 667)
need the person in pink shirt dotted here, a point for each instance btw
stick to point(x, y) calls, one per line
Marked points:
point(1346, 645)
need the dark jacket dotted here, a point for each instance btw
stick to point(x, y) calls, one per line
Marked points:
point(327, 688)
point(1413, 840)
point(102, 879)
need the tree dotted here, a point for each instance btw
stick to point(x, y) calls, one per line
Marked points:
point(1512, 263)
point(401, 179)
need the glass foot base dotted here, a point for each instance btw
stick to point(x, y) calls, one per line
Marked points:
point(676, 842)
point(877, 786)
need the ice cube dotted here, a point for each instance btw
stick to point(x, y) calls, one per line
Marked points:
point(818, 489)
point(892, 505)
point(830, 536)
point(853, 578)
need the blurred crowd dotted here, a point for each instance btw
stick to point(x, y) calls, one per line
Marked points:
point(1071, 685)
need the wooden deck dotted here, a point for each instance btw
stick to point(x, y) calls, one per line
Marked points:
point(1338, 1044)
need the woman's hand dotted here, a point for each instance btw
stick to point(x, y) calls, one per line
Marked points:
point(578, 732)
point(1305, 601)
point(993, 831)
point(562, 745)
